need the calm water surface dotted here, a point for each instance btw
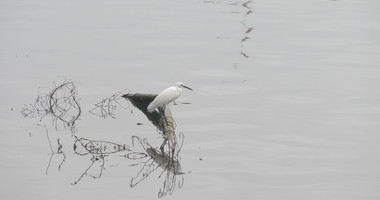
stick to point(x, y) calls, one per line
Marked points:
point(286, 101)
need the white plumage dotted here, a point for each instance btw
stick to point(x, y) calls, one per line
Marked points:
point(166, 96)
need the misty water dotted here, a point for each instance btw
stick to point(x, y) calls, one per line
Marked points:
point(286, 100)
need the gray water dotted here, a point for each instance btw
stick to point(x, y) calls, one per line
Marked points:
point(286, 100)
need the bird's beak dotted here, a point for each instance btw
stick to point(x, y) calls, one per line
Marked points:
point(186, 87)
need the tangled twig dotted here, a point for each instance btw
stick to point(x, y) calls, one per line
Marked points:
point(61, 103)
point(106, 107)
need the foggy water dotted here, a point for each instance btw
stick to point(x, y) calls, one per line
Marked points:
point(286, 100)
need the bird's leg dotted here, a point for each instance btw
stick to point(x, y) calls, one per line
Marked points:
point(174, 103)
point(162, 147)
point(162, 109)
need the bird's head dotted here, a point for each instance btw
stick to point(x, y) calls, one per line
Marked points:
point(179, 84)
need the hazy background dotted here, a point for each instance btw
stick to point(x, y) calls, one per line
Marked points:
point(286, 101)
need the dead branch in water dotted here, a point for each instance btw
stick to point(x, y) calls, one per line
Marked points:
point(106, 107)
point(60, 103)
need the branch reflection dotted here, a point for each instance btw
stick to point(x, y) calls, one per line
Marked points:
point(98, 150)
point(237, 9)
point(248, 28)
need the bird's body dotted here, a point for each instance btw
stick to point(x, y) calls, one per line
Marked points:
point(166, 96)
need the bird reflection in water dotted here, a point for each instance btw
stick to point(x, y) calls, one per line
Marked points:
point(171, 168)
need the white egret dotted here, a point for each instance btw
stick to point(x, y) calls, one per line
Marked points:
point(166, 96)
